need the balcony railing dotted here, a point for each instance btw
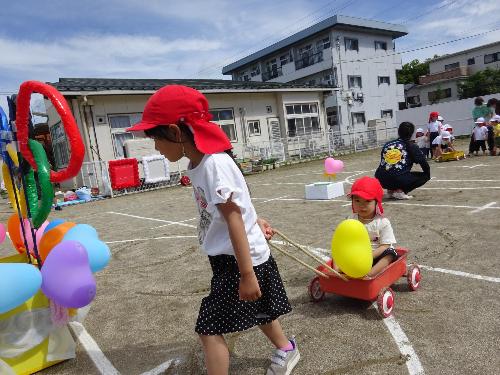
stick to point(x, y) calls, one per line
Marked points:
point(461, 71)
point(274, 73)
point(307, 60)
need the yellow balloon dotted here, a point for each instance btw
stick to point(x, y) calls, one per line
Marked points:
point(351, 248)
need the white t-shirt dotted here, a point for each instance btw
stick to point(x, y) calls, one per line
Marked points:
point(434, 126)
point(379, 230)
point(422, 142)
point(440, 141)
point(214, 180)
point(480, 133)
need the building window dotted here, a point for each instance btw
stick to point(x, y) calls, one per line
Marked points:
point(284, 59)
point(492, 57)
point(451, 66)
point(413, 99)
point(471, 61)
point(254, 127)
point(354, 82)
point(386, 113)
point(332, 116)
point(225, 119)
point(255, 71)
point(302, 119)
point(323, 44)
point(382, 80)
point(59, 145)
point(118, 124)
point(380, 45)
point(246, 78)
point(351, 44)
point(358, 118)
point(435, 96)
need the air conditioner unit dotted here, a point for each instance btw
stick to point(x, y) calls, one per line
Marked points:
point(348, 95)
point(359, 95)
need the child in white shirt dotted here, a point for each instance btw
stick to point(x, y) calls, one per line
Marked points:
point(480, 134)
point(422, 141)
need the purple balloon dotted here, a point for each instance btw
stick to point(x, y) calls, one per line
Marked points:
point(66, 275)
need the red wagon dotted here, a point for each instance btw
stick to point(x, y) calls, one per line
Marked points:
point(368, 289)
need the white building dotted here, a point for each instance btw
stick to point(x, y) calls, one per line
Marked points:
point(354, 57)
point(446, 72)
point(252, 114)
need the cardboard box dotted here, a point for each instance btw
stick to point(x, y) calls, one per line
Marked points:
point(324, 190)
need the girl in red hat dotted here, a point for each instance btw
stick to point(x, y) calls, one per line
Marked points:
point(246, 288)
point(366, 194)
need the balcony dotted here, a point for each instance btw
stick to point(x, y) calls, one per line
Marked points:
point(307, 60)
point(461, 71)
point(271, 74)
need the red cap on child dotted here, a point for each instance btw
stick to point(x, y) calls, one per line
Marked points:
point(369, 188)
point(175, 103)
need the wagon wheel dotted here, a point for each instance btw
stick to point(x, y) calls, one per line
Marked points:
point(385, 302)
point(413, 277)
point(317, 295)
point(185, 181)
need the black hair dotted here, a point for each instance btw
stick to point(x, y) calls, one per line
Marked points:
point(478, 101)
point(166, 132)
point(405, 132)
point(492, 101)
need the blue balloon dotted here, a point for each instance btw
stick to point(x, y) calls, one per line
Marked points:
point(18, 283)
point(98, 252)
point(54, 223)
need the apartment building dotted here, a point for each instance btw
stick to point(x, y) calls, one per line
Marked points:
point(355, 57)
point(446, 72)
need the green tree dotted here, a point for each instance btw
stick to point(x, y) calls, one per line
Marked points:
point(412, 70)
point(481, 83)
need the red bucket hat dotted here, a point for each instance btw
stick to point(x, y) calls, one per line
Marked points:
point(369, 188)
point(173, 104)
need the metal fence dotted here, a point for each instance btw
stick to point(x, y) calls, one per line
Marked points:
point(317, 144)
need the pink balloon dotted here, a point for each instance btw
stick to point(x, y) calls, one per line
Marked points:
point(333, 166)
point(27, 231)
point(39, 233)
point(3, 233)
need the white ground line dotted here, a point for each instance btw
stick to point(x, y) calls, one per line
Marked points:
point(95, 353)
point(174, 223)
point(150, 238)
point(385, 203)
point(397, 333)
point(275, 199)
point(489, 205)
point(153, 219)
point(466, 166)
point(460, 188)
point(434, 179)
point(161, 368)
point(461, 273)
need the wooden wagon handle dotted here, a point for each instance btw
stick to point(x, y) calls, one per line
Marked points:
point(310, 254)
point(298, 260)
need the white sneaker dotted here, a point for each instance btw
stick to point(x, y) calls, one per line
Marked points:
point(282, 363)
point(389, 193)
point(401, 195)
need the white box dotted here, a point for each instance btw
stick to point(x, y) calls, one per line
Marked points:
point(324, 190)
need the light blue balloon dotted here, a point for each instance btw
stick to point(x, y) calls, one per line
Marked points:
point(18, 283)
point(98, 252)
point(81, 231)
point(54, 223)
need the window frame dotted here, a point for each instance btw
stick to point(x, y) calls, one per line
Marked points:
point(346, 39)
point(381, 80)
point(312, 115)
point(226, 122)
point(386, 111)
point(115, 132)
point(494, 55)
point(251, 128)
point(380, 42)
point(451, 66)
point(433, 99)
point(354, 114)
point(349, 77)
point(471, 61)
point(60, 145)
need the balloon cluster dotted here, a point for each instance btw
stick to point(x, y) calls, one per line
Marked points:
point(333, 166)
point(62, 256)
point(351, 248)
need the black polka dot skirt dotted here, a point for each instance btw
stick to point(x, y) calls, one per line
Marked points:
point(222, 311)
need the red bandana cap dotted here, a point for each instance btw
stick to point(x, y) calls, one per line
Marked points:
point(369, 188)
point(175, 104)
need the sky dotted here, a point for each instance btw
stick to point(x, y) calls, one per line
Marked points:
point(48, 40)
